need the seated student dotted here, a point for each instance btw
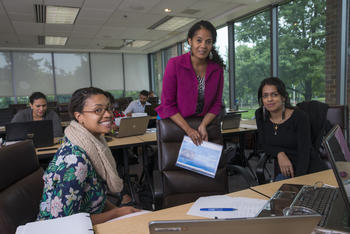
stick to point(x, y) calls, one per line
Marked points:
point(138, 106)
point(151, 94)
point(83, 168)
point(284, 131)
point(38, 111)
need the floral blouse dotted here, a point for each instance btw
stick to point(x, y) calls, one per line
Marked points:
point(71, 184)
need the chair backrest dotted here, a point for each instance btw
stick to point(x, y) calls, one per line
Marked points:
point(17, 107)
point(6, 116)
point(21, 185)
point(179, 185)
point(339, 114)
point(123, 102)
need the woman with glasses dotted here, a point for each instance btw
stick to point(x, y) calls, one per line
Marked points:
point(284, 132)
point(83, 168)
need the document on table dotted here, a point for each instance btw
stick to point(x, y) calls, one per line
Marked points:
point(242, 207)
point(203, 159)
point(74, 224)
point(130, 215)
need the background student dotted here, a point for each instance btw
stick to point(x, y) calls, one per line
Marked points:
point(138, 106)
point(193, 83)
point(38, 111)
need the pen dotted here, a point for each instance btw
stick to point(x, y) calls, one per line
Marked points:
point(217, 209)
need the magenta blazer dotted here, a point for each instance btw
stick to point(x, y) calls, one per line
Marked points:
point(180, 88)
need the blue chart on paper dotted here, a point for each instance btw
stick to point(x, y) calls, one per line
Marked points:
point(201, 159)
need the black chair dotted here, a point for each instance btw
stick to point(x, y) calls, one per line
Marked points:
point(6, 115)
point(173, 185)
point(21, 185)
point(17, 107)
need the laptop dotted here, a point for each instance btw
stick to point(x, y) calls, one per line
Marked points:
point(150, 109)
point(332, 203)
point(41, 132)
point(132, 126)
point(265, 225)
point(231, 121)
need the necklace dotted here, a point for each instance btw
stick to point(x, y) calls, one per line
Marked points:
point(275, 128)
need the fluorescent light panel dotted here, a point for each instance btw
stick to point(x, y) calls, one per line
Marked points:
point(138, 44)
point(174, 23)
point(55, 40)
point(61, 15)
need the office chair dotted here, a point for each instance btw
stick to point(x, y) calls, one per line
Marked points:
point(21, 185)
point(17, 107)
point(173, 185)
point(6, 116)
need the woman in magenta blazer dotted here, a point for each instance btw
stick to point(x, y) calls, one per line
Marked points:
point(193, 83)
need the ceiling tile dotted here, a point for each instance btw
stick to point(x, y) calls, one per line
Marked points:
point(138, 5)
point(68, 3)
point(58, 28)
point(132, 19)
point(14, 16)
point(111, 32)
point(102, 4)
point(19, 6)
point(90, 21)
point(25, 28)
point(176, 6)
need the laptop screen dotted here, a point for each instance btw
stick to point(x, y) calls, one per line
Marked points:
point(339, 157)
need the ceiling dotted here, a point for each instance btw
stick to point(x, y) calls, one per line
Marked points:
point(106, 23)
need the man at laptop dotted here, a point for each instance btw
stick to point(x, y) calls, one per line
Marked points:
point(38, 111)
point(138, 106)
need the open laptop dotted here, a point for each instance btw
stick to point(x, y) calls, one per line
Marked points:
point(230, 121)
point(132, 126)
point(265, 225)
point(41, 132)
point(150, 109)
point(334, 202)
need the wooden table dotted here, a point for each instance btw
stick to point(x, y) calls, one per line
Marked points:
point(139, 224)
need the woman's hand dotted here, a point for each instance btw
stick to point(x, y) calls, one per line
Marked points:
point(285, 165)
point(194, 135)
point(202, 129)
point(124, 210)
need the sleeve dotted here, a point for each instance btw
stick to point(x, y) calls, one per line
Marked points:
point(130, 108)
point(57, 127)
point(168, 106)
point(216, 107)
point(65, 185)
point(19, 117)
point(304, 143)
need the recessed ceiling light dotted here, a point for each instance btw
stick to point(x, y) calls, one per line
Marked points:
point(167, 10)
point(171, 23)
point(49, 40)
point(61, 15)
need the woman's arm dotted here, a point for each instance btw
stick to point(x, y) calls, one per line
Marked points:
point(202, 129)
point(192, 133)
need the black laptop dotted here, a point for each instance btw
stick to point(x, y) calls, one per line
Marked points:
point(41, 132)
point(332, 203)
point(150, 109)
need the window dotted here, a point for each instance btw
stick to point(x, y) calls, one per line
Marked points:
point(157, 72)
point(252, 59)
point(72, 72)
point(301, 45)
point(32, 73)
point(222, 47)
point(169, 53)
point(6, 90)
point(136, 74)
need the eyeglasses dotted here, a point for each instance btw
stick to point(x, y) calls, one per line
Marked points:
point(272, 95)
point(100, 111)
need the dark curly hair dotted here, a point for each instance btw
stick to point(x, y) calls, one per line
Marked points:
point(207, 25)
point(79, 97)
point(36, 95)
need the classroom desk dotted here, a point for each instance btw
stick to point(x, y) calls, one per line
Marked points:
point(139, 224)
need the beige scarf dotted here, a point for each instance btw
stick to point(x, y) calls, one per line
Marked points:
point(99, 154)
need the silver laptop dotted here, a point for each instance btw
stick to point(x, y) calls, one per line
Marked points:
point(132, 126)
point(231, 121)
point(264, 225)
point(332, 203)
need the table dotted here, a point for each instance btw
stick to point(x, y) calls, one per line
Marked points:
point(139, 224)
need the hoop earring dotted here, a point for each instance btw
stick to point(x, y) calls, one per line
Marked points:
point(211, 55)
point(264, 113)
point(283, 110)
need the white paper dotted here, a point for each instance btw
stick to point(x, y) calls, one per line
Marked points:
point(130, 215)
point(73, 224)
point(246, 207)
point(138, 114)
point(249, 126)
point(203, 159)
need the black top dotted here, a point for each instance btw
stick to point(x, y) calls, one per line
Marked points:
point(291, 137)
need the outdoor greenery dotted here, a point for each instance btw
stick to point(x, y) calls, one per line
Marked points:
point(301, 57)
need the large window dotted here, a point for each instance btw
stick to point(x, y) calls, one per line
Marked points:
point(32, 73)
point(72, 73)
point(252, 59)
point(222, 47)
point(301, 43)
point(157, 72)
point(6, 90)
point(136, 74)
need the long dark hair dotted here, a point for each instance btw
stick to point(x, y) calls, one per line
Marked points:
point(79, 97)
point(207, 25)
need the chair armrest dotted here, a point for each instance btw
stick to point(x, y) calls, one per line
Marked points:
point(261, 166)
point(158, 189)
point(246, 174)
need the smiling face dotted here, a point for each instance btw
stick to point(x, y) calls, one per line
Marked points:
point(94, 117)
point(272, 100)
point(39, 108)
point(201, 43)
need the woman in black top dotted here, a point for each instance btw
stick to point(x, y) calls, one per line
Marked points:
point(284, 131)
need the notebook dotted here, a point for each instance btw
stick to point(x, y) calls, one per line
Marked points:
point(265, 225)
point(132, 126)
point(41, 132)
point(336, 209)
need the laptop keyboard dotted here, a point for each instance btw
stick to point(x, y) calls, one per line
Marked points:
point(319, 199)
